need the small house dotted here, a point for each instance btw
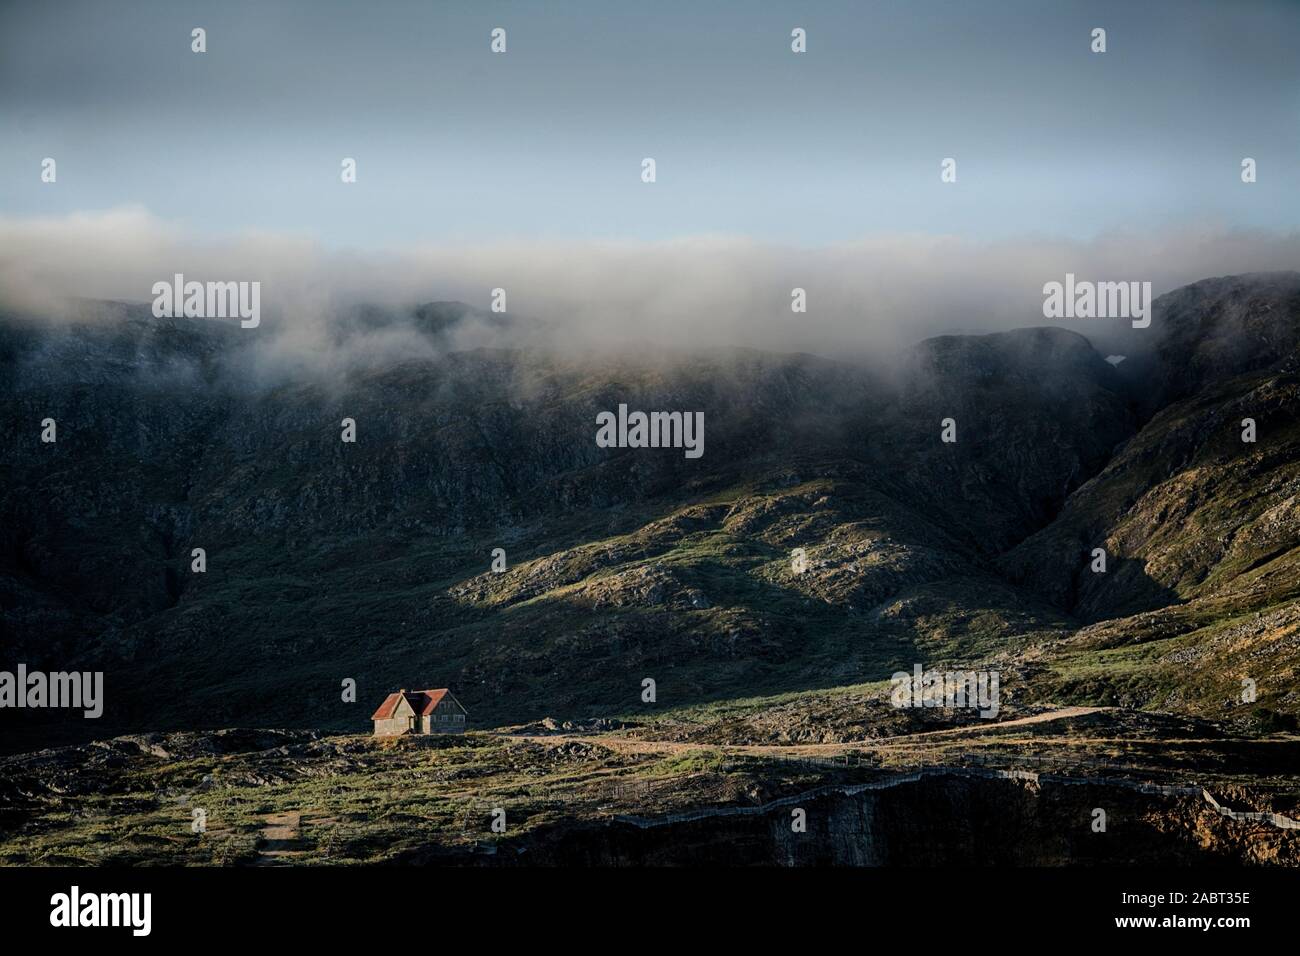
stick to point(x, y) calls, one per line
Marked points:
point(420, 712)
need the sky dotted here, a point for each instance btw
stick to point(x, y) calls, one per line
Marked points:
point(522, 170)
point(456, 144)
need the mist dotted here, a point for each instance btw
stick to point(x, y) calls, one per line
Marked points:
point(865, 298)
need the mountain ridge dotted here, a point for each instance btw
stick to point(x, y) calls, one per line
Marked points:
point(371, 560)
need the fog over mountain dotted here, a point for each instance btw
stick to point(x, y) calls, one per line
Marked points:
point(370, 558)
point(865, 298)
point(591, 435)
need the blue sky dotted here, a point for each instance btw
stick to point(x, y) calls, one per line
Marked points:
point(454, 143)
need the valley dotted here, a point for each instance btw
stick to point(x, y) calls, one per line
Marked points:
point(475, 536)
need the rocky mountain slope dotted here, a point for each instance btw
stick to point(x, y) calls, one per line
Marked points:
point(371, 561)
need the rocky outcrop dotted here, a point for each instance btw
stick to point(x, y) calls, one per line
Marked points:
point(944, 818)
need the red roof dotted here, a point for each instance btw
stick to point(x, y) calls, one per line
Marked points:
point(422, 702)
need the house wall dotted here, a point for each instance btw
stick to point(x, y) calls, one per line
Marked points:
point(395, 725)
point(430, 724)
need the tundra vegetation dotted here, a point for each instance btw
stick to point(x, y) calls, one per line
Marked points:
point(371, 561)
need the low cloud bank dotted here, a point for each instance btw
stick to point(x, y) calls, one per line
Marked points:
point(863, 298)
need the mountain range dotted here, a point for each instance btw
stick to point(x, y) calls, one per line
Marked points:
point(371, 561)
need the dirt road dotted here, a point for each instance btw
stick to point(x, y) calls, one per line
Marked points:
point(640, 746)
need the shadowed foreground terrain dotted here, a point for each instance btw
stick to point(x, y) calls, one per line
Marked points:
point(1026, 793)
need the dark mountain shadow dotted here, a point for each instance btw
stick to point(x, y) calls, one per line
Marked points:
point(1124, 590)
